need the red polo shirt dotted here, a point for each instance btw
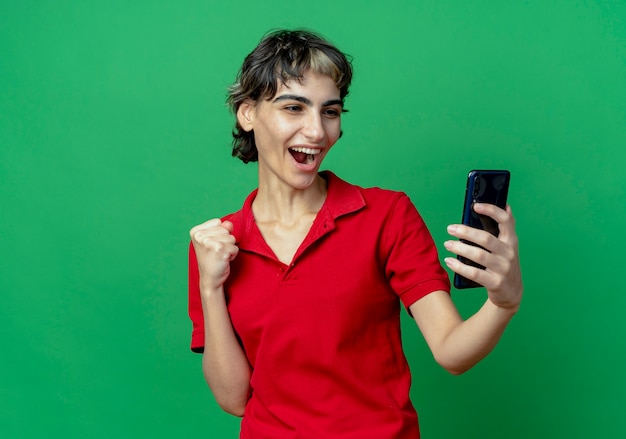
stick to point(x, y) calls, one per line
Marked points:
point(323, 334)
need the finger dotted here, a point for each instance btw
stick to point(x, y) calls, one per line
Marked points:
point(491, 210)
point(507, 229)
point(481, 247)
point(217, 229)
point(206, 238)
point(229, 252)
point(500, 262)
point(205, 225)
point(504, 218)
point(476, 236)
point(492, 280)
point(228, 226)
point(471, 252)
point(468, 271)
point(220, 249)
point(233, 252)
point(210, 223)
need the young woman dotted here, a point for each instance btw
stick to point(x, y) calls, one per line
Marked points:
point(295, 299)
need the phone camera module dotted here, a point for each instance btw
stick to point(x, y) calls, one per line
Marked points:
point(476, 186)
point(480, 185)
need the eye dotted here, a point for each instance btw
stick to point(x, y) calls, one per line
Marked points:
point(332, 112)
point(293, 108)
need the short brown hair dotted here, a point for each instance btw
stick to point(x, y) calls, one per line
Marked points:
point(283, 55)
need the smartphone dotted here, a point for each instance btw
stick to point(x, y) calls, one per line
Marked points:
point(488, 186)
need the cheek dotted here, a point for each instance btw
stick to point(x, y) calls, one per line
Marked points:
point(270, 132)
point(334, 132)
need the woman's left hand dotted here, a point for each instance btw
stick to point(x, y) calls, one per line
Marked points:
point(500, 256)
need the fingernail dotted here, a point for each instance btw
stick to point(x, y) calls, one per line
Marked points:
point(451, 228)
point(448, 244)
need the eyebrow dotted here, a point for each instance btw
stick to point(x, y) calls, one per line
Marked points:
point(307, 101)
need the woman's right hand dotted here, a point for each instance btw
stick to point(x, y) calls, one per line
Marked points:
point(226, 367)
point(215, 248)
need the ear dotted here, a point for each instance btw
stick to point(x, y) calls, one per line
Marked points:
point(245, 115)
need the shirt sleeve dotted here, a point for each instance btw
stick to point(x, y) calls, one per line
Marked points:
point(412, 266)
point(195, 304)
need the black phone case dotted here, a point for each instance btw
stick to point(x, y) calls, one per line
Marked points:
point(487, 186)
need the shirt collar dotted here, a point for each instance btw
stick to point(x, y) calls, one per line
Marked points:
point(342, 198)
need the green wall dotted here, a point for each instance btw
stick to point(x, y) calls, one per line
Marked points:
point(114, 141)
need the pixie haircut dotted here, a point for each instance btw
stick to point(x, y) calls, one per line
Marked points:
point(282, 55)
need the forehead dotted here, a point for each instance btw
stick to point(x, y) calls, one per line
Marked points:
point(310, 85)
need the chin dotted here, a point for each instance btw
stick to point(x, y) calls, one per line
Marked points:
point(304, 181)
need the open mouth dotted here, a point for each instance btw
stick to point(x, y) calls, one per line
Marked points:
point(304, 156)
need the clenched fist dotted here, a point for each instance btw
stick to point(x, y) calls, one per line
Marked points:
point(215, 248)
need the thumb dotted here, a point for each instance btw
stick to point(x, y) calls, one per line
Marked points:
point(228, 226)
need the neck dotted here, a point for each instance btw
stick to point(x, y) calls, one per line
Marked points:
point(285, 204)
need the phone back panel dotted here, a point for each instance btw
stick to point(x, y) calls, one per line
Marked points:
point(487, 186)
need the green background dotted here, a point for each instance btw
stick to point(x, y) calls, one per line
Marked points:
point(114, 141)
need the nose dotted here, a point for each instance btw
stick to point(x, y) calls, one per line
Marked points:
point(313, 127)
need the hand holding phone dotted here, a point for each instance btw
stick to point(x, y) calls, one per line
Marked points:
point(486, 186)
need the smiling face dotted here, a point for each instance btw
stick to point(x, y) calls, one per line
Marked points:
point(294, 129)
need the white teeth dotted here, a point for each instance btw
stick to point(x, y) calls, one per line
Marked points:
point(310, 151)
